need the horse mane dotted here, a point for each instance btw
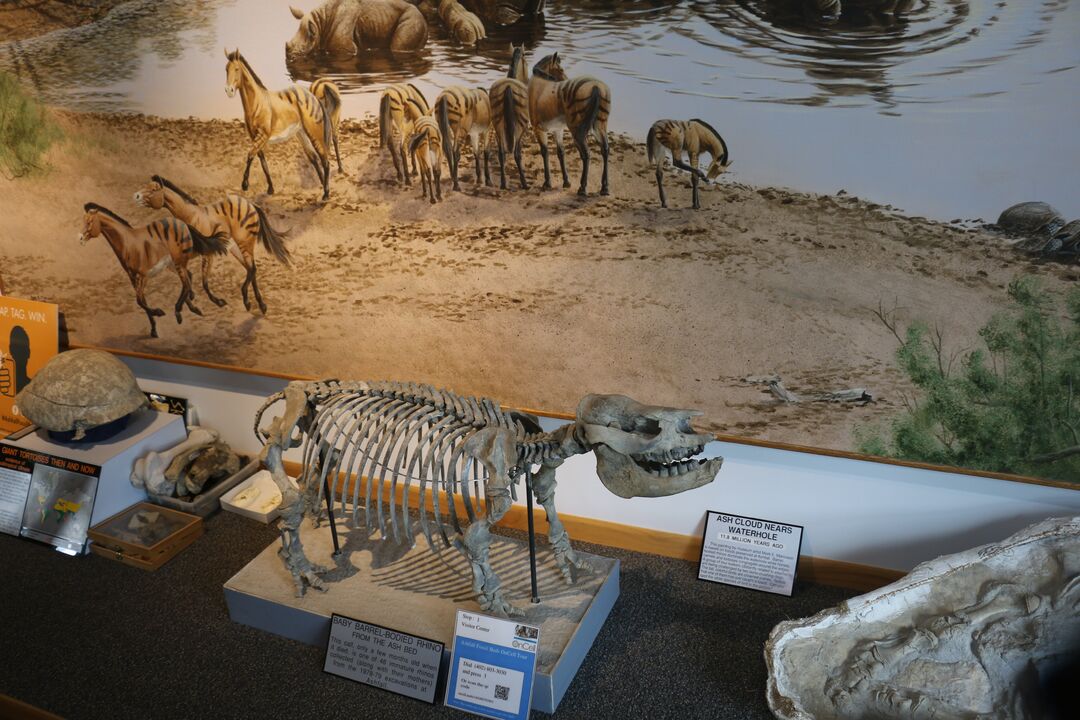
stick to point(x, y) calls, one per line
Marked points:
point(719, 137)
point(517, 56)
point(237, 56)
point(539, 71)
point(166, 183)
point(94, 206)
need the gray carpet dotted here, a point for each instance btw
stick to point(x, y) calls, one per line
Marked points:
point(92, 638)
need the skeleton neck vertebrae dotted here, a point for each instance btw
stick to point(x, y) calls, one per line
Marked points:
point(385, 433)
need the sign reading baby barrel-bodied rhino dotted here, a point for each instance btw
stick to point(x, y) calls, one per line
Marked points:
point(750, 552)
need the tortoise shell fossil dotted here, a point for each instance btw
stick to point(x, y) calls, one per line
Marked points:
point(80, 390)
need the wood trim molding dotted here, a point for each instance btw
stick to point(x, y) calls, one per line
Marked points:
point(735, 439)
point(823, 571)
point(18, 710)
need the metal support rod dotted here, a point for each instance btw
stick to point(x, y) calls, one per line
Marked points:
point(330, 512)
point(532, 536)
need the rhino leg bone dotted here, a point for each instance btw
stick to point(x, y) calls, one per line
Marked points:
point(566, 559)
point(496, 449)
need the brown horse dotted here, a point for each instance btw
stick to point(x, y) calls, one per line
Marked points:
point(424, 147)
point(145, 251)
point(273, 117)
point(464, 113)
point(235, 217)
point(509, 99)
point(692, 137)
point(582, 105)
point(399, 107)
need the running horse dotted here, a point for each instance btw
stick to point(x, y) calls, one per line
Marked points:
point(144, 251)
point(275, 116)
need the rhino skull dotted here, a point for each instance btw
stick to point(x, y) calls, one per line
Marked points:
point(644, 450)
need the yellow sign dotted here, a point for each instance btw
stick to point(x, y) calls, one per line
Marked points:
point(29, 338)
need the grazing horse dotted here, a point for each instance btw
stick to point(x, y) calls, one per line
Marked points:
point(464, 113)
point(399, 107)
point(582, 105)
point(235, 217)
point(424, 147)
point(145, 251)
point(272, 117)
point(693, 137)
point(329, 96)
point(509, 98)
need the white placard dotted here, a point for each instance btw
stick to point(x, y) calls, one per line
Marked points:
point(493, 665)
point(374, 655)
point(14, 486)
point(750, 552)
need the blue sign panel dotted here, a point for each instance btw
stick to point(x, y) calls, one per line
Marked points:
point(491, 671)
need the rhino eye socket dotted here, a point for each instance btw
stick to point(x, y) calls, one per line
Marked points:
point(639, 426)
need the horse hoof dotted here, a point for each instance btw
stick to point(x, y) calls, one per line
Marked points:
point(566, 184)
point(605, 192)
point(220, 303)
point(270, 190)
point(262, 309)
point(546, 186)
point(158, 312)
point(153, 333)
point(195, 310)
point(179, 319)
point(581, 192)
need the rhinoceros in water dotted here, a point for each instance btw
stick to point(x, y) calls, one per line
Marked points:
point(344, 27)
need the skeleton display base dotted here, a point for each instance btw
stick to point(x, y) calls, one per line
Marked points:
point(417, 591)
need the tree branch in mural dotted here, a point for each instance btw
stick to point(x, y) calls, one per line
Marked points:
point(387, 431)
point(236, 218)
point(26, 131)
point(692, 137)
point(273, 117)
point(144, 251)
point(1012, 407)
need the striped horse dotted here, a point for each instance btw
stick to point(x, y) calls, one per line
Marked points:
point(509, 98)
point(276, 116)
point(236, 218)
point(692, 137)
point(396, 118)
point(464, 113)
point(424, 146)
point(145, 251)
point(329, 96)
point(582, 105)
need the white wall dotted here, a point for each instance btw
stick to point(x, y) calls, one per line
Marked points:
point(863, 512)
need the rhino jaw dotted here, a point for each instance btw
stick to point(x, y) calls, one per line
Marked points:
point(628, 477)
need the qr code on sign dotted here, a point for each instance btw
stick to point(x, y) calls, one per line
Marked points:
point(502, 692)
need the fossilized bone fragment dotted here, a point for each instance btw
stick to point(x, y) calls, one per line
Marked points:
point(150, 469)
point(966, 636)
point(411, 434)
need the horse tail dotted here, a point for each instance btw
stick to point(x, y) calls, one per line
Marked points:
point(384, 120)
point(216, 244)
point(416, 140)
point(443, 113)
point(591, 113)
point(272, 239)
point(329, 103)
point(508, 117)
point(330, 97)
point(653, 144)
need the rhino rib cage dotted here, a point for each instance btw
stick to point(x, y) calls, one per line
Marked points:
point(398, 432)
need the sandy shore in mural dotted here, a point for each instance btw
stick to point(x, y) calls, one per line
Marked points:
point(532, 298)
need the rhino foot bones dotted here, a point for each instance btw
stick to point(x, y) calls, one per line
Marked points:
point(382, 434)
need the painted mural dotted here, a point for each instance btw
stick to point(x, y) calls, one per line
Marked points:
point(841, 224)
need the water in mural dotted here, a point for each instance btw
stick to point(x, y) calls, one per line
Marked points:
point(773, 307)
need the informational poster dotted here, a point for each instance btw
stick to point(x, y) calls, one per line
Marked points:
point(14, 486)
point(59, 501)
point(378, 656)
point(492, 666)
point(29, 338)
point(750, 552)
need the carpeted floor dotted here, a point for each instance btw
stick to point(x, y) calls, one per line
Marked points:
point(92, 638)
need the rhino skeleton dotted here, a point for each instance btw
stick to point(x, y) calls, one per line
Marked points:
point(381, 430)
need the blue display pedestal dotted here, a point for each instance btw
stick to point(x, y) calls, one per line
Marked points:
point(417, 591)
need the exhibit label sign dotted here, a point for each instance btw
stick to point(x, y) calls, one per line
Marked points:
point(384, 658)
point(29, 337)
point(492, 666)
point(750, 552)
